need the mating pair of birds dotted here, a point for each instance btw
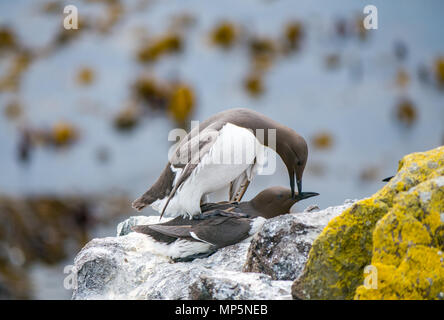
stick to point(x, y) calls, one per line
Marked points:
point(195, 173)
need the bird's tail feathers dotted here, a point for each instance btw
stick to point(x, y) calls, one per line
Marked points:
point(139, 204)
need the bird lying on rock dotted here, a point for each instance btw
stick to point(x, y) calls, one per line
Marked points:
point(195, 169)
point(219, 225)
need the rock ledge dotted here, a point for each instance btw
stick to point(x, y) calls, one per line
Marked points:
point(123, 267)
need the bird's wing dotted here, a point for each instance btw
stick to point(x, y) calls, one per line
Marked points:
point(164, 232)
point(161, 189)
point(222, 231)
point(219, 229)
point(223, 205)
point(173, 231)
point(157, 236)
point(193, 146)
point(191, 152)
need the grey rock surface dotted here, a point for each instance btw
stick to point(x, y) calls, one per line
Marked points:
point(281, 248)
point(124, 227)
point(123, 267)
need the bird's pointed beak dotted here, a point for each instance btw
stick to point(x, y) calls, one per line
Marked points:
point(299, 183)
point(306, 195)
point(387, 179)
point(292, 185)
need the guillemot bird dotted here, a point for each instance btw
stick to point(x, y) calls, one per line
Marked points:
point(219, 225)
point(195, 171)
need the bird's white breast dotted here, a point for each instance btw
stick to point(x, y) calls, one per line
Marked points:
point(180, 248)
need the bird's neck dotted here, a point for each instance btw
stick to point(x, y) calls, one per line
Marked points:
point(260, 210)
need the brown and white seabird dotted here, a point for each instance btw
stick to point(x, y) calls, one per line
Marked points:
point(192, 172)
point(219, 225)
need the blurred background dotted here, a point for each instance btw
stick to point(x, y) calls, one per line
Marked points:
point(85, 114)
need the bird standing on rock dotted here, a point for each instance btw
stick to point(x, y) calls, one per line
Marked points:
point(195, 170)
point(220, 225)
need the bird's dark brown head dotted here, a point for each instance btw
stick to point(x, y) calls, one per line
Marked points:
point(275, 201)
point(293, 150)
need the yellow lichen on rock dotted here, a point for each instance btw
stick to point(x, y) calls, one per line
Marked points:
point(406, 241)
point(339, 254)
point(399, 230)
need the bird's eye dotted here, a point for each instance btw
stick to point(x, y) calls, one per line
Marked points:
point(299, 163)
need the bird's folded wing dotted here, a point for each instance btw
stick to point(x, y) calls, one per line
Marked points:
point(223, 205)
point(172, 231)
point(190, 153)
point(194, 146)
point(219, 231)
point(223, 231)
point(157, 236)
